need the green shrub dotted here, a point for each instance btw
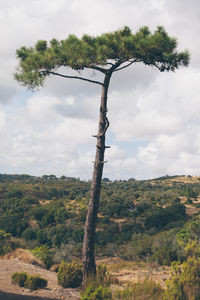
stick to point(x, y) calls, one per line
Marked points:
point(99, 287)
point(32, 282)
point(44, 254)
point(94, 291)
point(6, 242)
point(70, 275)
point(103, 277)
point(139, 248)
point(159, 217)
point(35, 283)
point(19, 278)
point(184, 283)
point(29, 234)
point(164, 256)
point(166, 249)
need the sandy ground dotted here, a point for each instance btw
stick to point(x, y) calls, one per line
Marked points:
point(8, 291)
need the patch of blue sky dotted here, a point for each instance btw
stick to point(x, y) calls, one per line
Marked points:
point(18, 101)
point(22, 98)
point(129, 147)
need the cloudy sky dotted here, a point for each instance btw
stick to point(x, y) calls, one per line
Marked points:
point(154, 117)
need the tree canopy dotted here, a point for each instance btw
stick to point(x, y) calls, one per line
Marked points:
point(116, 50)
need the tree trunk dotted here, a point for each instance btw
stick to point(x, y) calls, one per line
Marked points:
point(88, 257)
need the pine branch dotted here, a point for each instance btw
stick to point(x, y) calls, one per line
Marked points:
point(97, 68)
point(129, 64)
point(73, 77)
point(109, 63)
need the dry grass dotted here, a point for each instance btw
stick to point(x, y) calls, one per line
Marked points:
point(125, 272)
point(24, 256)
point(185, 179)
point(177, 180)
point(118, 221)
point(143, 290)
point(191, 210)
point(44, 202)
point(118, 265)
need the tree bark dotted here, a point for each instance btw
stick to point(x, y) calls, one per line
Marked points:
point(88, 257)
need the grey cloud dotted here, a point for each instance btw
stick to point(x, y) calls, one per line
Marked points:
point(185, 25)
point(134, 77)
point(82, 107)
point(6, 94)
point(63, 87)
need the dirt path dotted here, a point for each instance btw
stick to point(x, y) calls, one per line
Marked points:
point(8, 291)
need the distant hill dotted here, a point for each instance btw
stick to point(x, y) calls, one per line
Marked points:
point(136, 218)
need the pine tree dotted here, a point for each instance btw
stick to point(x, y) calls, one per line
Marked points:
point(107, 54)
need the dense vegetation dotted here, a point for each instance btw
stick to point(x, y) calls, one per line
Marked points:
point(137, 219)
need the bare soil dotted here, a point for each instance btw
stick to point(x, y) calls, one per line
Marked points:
point(8, 291)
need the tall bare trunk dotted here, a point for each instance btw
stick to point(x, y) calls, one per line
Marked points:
point(88, 257)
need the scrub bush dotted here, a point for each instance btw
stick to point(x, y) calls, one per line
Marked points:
point(184, 283)
point(35, 282)
point(99, 287)
point(70, 275)
point(31, 282)
point(44, 254)
point(19, 278)
point(94, 291)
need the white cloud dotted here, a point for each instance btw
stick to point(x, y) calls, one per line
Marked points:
point(41, 139)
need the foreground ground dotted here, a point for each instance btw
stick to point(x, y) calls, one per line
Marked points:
point(122, 271)
point(8, 291)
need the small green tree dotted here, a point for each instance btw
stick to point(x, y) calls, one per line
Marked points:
point(107, 54)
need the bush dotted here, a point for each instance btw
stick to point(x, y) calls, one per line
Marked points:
point(160, 217)
point(164, 256)
point(139, 248)
point(19, 278)
point(5, 242)
point(103, 277)
point(35, 283)
point(32, 282)
point(29, 234)
point(111, 249)
point(184, 283)
point(44, 254)
point(94, 291)
point(165, 248)
point(70, 275)
point(98, 288)
point(65, 252)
